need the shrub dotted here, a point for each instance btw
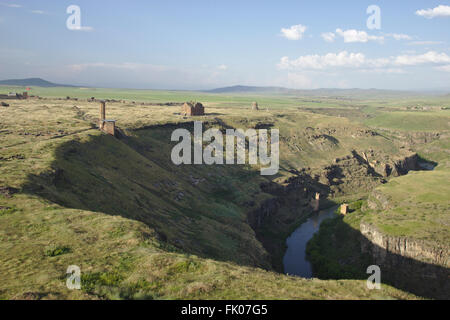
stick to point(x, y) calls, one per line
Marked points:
point(7, 210)
point(90, 281)
point(184, 266)
point(55, 250)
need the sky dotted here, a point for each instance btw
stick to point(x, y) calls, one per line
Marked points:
point(208, 44)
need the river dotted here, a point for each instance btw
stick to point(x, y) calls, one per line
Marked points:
point(294, 260)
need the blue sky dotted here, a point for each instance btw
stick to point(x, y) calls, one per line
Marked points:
point(208, 44)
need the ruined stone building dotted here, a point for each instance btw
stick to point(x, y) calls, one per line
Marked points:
point(315, 203)
point(192, 109)
point(344, 209)
point(13, 95)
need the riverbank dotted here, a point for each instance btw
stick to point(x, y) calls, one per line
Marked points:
point(294, 260)
point(335, 251)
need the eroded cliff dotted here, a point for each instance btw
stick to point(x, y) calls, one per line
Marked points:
point(407, 263)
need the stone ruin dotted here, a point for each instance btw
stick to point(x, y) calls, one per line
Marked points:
point(13, 95)
point(192, 109)
point(315, 203)
point(344, 209)
point(107, 126)
point(255, 106)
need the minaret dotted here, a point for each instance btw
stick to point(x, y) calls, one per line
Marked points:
point(102, 114)
point(107, 126)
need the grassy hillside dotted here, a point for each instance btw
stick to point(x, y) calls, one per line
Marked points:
point(415, 206)
point(435, 120)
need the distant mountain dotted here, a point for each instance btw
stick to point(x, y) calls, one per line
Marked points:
point(326, 92)
point(250, 89)
point(31, 82)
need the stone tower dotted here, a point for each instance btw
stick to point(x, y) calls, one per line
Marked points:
point(107, 126)
point(315, 203)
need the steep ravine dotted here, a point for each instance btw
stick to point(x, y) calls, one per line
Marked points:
point(401, 227)
point(277, 218)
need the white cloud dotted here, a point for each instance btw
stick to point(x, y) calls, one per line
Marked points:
point(11, 5)
point(384, 71)
point(222, 67)
point(328, 36)
point(358, 60)
point(38, 11)
point(439, 11)
point(424, 43)
point(399, 36)
point(429, 57)
point(444, 68)
point(294, 32)
point(353, 35)
point(121, 66)
point(342, 59)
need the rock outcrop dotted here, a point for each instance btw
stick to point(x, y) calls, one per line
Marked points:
point(409, 264)
point(403, 166)
point(389, 166)
point(256, 217)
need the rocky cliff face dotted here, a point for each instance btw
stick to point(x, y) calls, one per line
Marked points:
point(393, 167)
point(403, 166)
point(409, 264)
point(256, 217)
point(403, 246)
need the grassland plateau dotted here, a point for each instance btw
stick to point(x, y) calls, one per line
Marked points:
point(140, 227)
